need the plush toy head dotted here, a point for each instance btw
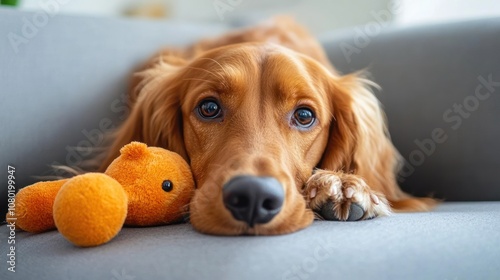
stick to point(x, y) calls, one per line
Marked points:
point(153, 178)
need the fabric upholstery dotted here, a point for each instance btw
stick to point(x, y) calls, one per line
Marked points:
point(437, 81)
point(457, 241)
point(63, 89)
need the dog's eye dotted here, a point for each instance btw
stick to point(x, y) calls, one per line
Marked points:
point(303, 117)
point(209, 109)
point(167, 185)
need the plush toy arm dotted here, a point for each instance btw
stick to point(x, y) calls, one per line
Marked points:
point(33, 206)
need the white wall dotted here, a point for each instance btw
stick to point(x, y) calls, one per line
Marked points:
point(318, 15)
point(433, 11)
point(90, 7)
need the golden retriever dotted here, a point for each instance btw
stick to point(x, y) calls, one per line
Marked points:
point(255, 112)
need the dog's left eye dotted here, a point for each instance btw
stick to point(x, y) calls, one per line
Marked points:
point(209, 109)
point(167, 185)
point(303, 118)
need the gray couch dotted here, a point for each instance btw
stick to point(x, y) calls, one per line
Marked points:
point(68, 75)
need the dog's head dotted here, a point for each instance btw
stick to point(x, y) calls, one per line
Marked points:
point(254, 120)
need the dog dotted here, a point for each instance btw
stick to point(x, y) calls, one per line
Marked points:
point(272, 132)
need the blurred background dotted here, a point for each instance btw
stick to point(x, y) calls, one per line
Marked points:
point(318, 15)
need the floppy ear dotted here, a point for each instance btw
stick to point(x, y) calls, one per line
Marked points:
point(155, 117)
point(358, 140)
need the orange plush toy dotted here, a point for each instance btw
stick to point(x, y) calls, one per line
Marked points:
point(144, 186)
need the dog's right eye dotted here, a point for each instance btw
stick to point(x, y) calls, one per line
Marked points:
point(209, 109)
point(303, 118)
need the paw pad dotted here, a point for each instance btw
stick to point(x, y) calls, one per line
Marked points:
point(356, 212)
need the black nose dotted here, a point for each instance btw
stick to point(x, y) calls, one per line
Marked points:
point(253, 199)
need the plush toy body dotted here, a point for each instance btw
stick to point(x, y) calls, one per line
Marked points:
point(90, 209)
point(144, 186)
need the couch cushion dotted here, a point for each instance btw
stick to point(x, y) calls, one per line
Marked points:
point(457, 241)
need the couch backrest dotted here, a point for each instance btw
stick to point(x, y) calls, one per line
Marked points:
point(441, 91)
point(62, 81)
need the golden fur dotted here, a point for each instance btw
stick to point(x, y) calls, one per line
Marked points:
point(259, 76)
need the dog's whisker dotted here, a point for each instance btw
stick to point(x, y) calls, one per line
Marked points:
point(201, 80)
point(216, 74)
point(223, 69)
point(211, 59)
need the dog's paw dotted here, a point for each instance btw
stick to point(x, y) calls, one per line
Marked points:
point(344, 197)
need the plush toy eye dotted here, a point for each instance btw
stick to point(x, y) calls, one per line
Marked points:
point(167, 185)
